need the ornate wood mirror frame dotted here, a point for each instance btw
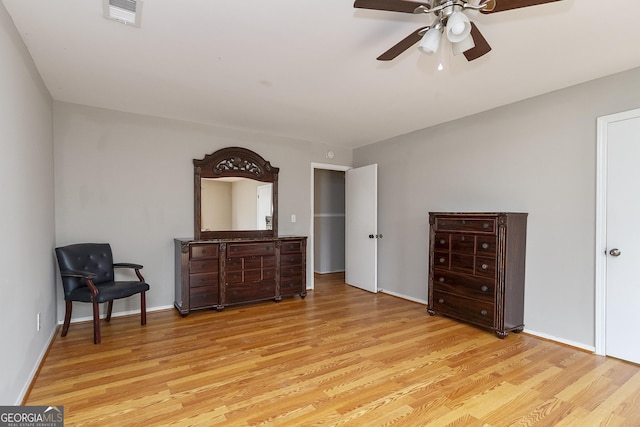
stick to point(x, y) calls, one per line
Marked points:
point(233, 162)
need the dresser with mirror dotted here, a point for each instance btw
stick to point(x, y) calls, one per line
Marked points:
point(236, 255)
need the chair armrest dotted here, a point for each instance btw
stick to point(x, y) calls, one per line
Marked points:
point(127, 265)
point(78, 273)
point(86, 275)
point(136, 267)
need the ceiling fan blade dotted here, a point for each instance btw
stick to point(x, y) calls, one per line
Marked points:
point(390, 5)
point(502, 5)
point(403, 45)
point(481, 45)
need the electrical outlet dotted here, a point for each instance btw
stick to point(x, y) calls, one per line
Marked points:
point(293, 218)
point(38, 322)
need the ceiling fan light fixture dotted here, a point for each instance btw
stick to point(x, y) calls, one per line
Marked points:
point(430, 41)
point(458, 27)
point(463, 46)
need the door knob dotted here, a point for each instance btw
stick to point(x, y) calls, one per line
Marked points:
point(371, 236)
point(615, 252)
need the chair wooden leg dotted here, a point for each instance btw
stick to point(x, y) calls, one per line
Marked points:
point(109, 309)
point(96, 323)
point(67, 318)
point(143, 309)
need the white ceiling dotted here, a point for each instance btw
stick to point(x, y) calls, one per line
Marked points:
point(307, 69)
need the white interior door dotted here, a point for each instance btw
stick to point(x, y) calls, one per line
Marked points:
point(361, 227)
point(264, 208)
point(622, 289)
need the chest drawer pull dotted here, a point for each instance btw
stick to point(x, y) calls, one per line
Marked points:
point(484, 312)
point(485, 225)
point(485, 266)
point(442, 241)
point(485, 246)
point(441, 260)
point(441, 280)
point(441, 300)
point(484, 288)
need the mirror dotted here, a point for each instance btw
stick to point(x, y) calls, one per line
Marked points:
point(235, 204)
point(235, 195)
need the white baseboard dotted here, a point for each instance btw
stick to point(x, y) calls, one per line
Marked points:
point(35, 369)
point(395, 294)
point(119, 314)
point(328, 272)
point(570, 343)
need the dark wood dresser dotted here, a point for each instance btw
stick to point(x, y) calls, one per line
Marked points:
point(220, 272)
point(476, 268)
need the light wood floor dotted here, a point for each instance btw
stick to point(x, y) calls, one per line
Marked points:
point(341, 356)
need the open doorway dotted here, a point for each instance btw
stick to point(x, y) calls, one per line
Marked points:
point(327, 245)
point(329, 222)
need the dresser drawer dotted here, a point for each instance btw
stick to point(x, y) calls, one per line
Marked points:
point(251, 276)
point(441, 260)
point(471, 310)
point(204, 251)
point(203, 296)
point(464, 285)
point(291, 246)
point(441, 242)
point(246, 292)
point(476, 225)
point(291, 271)
point(203, 279)
point(291, 285)
point(250, 262)
point(486, 267)
point(203, 266)
point(250, 249)
point(291, 259)
point(486, 246)
point(462, 263)
point(461, 243)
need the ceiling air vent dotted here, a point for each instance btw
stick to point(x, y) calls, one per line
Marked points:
point(125, 11)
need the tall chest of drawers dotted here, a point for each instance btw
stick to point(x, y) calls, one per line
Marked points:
point(476, 268)
point(222, 272)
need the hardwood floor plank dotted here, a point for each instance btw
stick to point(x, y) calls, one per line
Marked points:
point(340, 357)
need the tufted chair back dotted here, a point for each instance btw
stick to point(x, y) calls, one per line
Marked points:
point(92, 257)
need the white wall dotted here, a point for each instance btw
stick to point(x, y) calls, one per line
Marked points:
point(27, 282)
point(127, 179)
point(536, 156)
point(214, 205)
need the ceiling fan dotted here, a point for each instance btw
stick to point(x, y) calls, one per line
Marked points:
point(450, 20)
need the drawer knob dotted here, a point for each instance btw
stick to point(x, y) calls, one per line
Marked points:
point(484, 288)
point(485, 266)
point(442, 241)
point(485, 246)
point(441, 280)
point(441, 300)
point(485, 225)
point(441, 260)
point(483, 312)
